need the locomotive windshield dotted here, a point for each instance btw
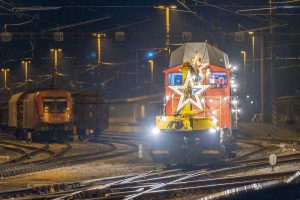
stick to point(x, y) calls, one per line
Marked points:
point(175, 78)
point(218, 80)
point(54, 104)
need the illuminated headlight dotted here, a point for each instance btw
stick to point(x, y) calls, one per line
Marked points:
point(215, 120)
point(163, 118)
point(212, 130)
point(155, 131)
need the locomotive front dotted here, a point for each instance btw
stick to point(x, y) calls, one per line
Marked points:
point(197, 125)
point(54, 108)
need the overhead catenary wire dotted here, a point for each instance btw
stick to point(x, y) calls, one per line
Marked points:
point(78, 24)
point(241, 14)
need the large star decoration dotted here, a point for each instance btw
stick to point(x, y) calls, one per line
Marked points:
point(189, 86)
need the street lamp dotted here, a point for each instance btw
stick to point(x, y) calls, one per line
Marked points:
point(151, 69)
point(26, 62)
point(55, 51)
point(253, 43)
point(5, 70)
point(244, 59)
point(167, 9)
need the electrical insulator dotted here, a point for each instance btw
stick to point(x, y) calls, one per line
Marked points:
point(186, 36)
point(6, 36)
point(58, 36)
point(120, 36)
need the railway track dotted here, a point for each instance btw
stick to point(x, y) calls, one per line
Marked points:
point(146, 185)
point(56, 161)
point(162, 184)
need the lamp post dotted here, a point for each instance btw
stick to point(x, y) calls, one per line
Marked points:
point(5, 70)
point(151, 69)
point(26, 62)
point(55, 51)
point(253, 48)
point(244, 62)
point(167, 9)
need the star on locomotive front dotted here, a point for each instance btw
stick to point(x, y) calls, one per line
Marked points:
point(197, 125)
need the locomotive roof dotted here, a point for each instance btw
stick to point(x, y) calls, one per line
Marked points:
point(205, 51)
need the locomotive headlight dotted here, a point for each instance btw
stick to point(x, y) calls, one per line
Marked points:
point(215, 120)
point(163, 118)
point(155, 131)
point(212, 130)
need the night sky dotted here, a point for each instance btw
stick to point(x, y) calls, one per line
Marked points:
point(33, 22)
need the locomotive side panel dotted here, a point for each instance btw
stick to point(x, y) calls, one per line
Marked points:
point(12, 110)
point(30, 112)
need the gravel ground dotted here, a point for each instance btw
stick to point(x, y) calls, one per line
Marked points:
point(12, 155)
point(97, 169)
point(84, 147)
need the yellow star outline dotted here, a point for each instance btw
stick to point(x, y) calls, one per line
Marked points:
point(185, 87)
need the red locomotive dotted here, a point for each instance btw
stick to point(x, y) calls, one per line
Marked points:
point(53, 114)
point(198, 125)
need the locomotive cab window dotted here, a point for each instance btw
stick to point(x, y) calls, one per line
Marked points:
point(175, 78)
point(54, 104)
point(218, 80)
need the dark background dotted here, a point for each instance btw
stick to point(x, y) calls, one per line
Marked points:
point(213, 21)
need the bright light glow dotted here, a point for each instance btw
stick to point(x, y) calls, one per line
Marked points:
point(234, 89)
point(167, 98)
point(212, 130)
point(225, 98)
point(233, 110)
point(163, 118)
point(215, 120)
point(155, 131)
point(234, 67)
point(149, 54)
point(202, 100)
point(232, 81)
point(252, 102)
point(239, 110)
point(229, 65)
point(234, 101)
point(248, 96)
point(210, 100)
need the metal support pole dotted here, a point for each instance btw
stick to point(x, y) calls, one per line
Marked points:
point(168, 29)
point(253, 55)
point(55, 71)
point(262, 76)
point(244, 62)
point(99, 47)
point(273, 87)
point(151, 70)
point(26, 62)
point(136, 67)
point(5, 78)
point(97, 132)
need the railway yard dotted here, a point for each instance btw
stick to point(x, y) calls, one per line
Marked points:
point(149, 100)
point(110, 168)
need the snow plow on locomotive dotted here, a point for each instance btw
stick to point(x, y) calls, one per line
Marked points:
point(199, 120)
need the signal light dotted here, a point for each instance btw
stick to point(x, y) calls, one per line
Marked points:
point(150, 54)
